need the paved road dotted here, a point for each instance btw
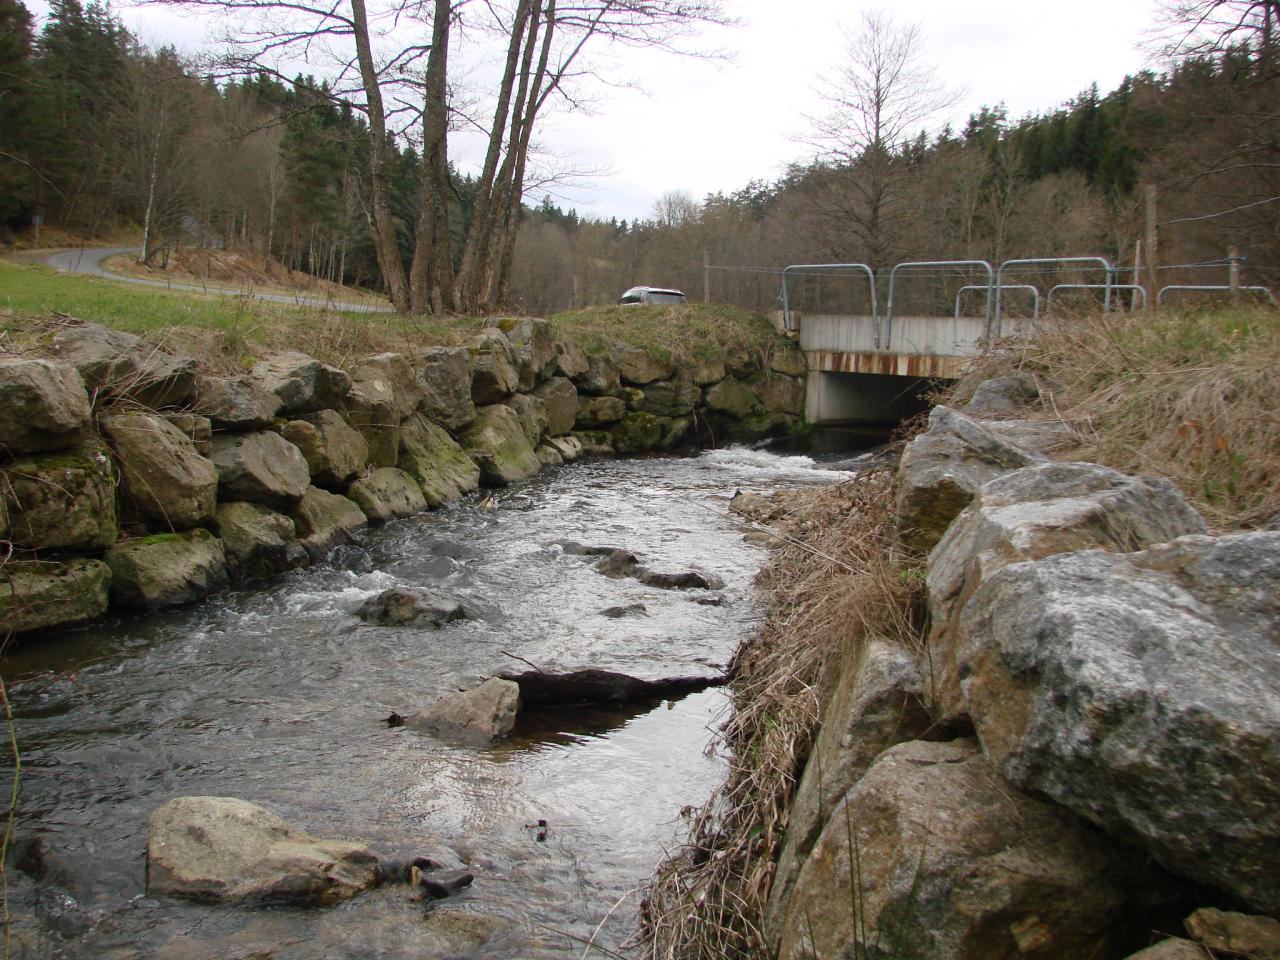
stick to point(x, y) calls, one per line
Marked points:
point(89, 261)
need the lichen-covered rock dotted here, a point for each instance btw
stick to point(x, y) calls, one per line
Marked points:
point(324, 520)
point(442, 468)
point(384, 390)
point(224, 850)
point(638, 367)
point(637, 432)
point(593, 443)
point(548, 455)
point(674, 397)
point(631, 396)
point(1140, 691)
point(302, 383)
point(235, 404)
point(43, 596)
point(952, 865)
point(532, 414)
point(742, 362)
point(166, 569)
point(787, 359)
point(1029, 514)
point(879, 702)
point(674, 431)
point(941, 470)
point(168, 482)
point(560, 403)
point(1004, 396)
point(571, 359)
point(396, 607)
point(257, 542)
point(735, 399)
point(569, 448)
point(708, 369)
point(387, 494)
point(601, 378)
point(43, 405)
point(196, 428)
point(260, 467)
point(780, 394)
point(1236, 934)
point(533, 347)
point(498, 445)
point(1041, 436)
point(334, 451)
point(598, 411)
point(393, 373)
point(446, 386)
point(64, 500)
point(484, 713)
point(118, 364)
point(494, 376)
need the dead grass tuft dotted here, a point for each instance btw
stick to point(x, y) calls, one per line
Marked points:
point(839, 579)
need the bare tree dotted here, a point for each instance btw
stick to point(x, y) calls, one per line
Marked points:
point(881, 95)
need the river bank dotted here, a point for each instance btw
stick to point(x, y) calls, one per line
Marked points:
point(1008, 702)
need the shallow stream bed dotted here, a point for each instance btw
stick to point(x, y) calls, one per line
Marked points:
point(276, 694)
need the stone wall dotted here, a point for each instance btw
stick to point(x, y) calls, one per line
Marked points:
point(132, 479)
point(1089, 745)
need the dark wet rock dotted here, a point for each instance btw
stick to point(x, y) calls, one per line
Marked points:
point(685, 580)
point(39, 595)
point(119, 364)
point(573, 548)
point(779, 394)
point(716, 600)
point(43, 405)
point(334, 451)
point(258, 542)
point(235, 403)
point(638, 433)
point(445, 883)
point(398, 606)
point(631, 396)
point(166, 570)
point(166, 479)
point(1236, 934)
point(261, 467)
point(302, 383)
point(224, 850)
point(630, 610)
point(455, 934)
point(324, 520)
point(541, 689)
point(1173, 948)
point(484, 713)
point(387, 494)
point(63, 500)
point(494, 375)
point(446, 386)
point(732, 398)
point(594, 443)
point(674, 397)
point(599, 411)
point(617, 563)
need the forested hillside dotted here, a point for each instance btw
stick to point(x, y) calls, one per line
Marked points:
point(98, 132)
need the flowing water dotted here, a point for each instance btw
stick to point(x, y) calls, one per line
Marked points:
point(276, 694)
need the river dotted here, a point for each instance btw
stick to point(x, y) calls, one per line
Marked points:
point(276, 693)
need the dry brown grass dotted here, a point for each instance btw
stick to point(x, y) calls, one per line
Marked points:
point(1192, 396)
point(838, 579)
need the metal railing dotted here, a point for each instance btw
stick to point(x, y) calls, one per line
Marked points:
point(1102, 262)
point(1213, 288)
point(918, 264)
point(860, 267)
point(1035, 295)
point(1110, 287)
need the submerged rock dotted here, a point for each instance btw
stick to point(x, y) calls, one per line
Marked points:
point(541, 689)
point(398, 606)
point(224, 850)
point(484, 713)
point(630, 610)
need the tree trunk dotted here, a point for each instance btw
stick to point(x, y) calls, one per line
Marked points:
point(431, 274)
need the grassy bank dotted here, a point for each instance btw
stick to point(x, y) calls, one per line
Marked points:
point(228, 333)
point(1194, 397)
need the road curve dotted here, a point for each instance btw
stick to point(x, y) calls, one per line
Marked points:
point(88, 261)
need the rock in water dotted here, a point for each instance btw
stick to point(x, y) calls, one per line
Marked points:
point(541, 689)
point(224, 850)
point(393, 607)
point(484, 713)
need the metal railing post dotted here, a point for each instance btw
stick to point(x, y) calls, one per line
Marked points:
point(861, 267)
point(913, 264)
point(1212, 287)
point(1103, 262)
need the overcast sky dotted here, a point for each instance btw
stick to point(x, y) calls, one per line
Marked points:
point(703, 126)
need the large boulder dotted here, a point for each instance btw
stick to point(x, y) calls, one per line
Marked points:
point(600, 378)
point(302, 383)
point(166, 569)
point(235, 404)
point(42, 596)
point(261, 467)
point(879, 702)
point(168, 482)
point(733, 399)
point(569, 448)
point(560, 403)
point(43, 405)
point(484, 713)
point(787, 359)
point(637, 433)
point(258, 542)
point(1004, 396)
point(118, 364)
point(1033, 513)
point(387, 494)
point(673, 397)
point(638, 367)
point(498, 445)
point(533, 347)
point(446, 386)
point(780, 394)
point(571, 359)
point(224, 850)
point(931, 855)
point(384, 390)
point(334, 451)
point(599, 411)
point(533, 416)
point(1140, 690)
point(63, 500)
point(442, 468)
point(392, 374)
point(494, 376)
point(942, 468)
point(1040, 436)
point(324, 520)
point(708, 368)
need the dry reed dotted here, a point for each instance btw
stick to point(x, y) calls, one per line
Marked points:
point(838, 579)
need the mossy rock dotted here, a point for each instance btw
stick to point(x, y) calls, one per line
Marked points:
point(43, 596)
point(166, 569)
point(62, 501)
point(499, 446)
point(594, 443)
point(637, 432)
point(439, 465)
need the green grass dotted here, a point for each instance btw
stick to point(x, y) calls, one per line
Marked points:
point(681, 332)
